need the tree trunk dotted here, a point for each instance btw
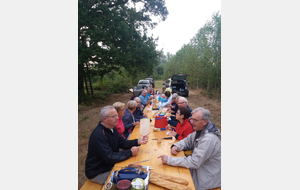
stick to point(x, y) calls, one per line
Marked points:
point(80, 80)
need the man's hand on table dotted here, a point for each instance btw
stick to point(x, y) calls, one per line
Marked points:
point(143, 140)
point(136, 123)
point(174, 150)
point(134, 150)
point(164, 159)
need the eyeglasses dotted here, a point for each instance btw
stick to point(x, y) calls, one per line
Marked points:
point(195, 120)
point(181, 102)
point(112, 116)
point(122, 110)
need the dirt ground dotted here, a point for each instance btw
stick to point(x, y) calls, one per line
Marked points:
point(89, 118)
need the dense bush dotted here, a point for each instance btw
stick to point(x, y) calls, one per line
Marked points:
point(112, 82)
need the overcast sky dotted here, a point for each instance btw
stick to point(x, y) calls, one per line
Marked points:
point(183, 22)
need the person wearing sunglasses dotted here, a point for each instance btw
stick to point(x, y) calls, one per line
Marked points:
point(104, 144)
point(205, 161)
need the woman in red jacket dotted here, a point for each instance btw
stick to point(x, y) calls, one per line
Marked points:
point(120, 107)
point(183, 127)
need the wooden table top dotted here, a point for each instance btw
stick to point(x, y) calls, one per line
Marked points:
point(151, 151)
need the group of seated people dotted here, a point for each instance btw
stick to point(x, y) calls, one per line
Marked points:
point(184, 124)
point(130, 117)
point(145, 95)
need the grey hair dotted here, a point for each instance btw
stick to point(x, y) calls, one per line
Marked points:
point(185, 100)
point(175, 95)
point(104, 111)
point(131, 104)
point(136, 98)
point(144, 91)
point(205, 113)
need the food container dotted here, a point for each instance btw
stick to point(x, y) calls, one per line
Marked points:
point(138, 184)
point(124, 184)
point(110, 186)
point(160, 121)
point(146, 181)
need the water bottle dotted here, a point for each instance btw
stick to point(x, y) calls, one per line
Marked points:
point(159, 105)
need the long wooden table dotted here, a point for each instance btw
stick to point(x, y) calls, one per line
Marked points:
point(151, 151)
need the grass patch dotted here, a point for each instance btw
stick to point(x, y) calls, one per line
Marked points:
point(212, 94)
point(159, 84)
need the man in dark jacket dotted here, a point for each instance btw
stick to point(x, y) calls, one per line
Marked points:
point(138, 113)
point(174, 107)
point(104, 144)
point(182, 102)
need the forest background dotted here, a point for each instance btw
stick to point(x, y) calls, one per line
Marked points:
point(114, 51)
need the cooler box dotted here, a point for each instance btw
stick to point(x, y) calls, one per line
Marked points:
point(160, 121)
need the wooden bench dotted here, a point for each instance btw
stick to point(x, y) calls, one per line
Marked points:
point(89, 185)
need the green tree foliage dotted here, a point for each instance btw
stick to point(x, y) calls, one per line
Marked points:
point(112, 34)
point(201, 58)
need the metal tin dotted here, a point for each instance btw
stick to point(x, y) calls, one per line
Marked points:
point(110, 186)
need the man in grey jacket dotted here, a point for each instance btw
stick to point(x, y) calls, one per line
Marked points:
point(205, 160)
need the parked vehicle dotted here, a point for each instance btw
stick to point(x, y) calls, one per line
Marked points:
point(137, 90)
point(144, 83)
point(151, 81)
point(179, 85)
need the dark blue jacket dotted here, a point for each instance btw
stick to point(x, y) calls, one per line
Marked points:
point(103, 150)
point(138, 114)
point(175, 107)
point(128, 122)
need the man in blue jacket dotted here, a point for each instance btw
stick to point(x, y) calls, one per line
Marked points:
point(104, 144)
